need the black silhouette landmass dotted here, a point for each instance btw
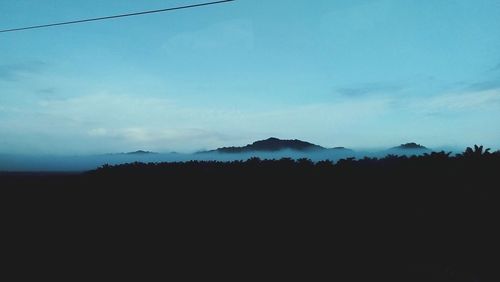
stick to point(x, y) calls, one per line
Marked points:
point(421, 218)
point(140, 152)
point(271, 145)
point(341, 149)
point(411, 146)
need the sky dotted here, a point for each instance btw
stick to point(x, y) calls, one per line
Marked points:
point(358, 73)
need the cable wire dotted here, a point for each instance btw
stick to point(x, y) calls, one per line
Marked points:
point(116, 16)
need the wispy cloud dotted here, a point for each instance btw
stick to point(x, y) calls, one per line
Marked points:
point(229, 34)
point(495, 68)
point(105, 122)
point(162, 138)
point(15, 71)
point(368, 88)
point(484, 85)
point(459, 102)
point(133, 122)
point(127, 122)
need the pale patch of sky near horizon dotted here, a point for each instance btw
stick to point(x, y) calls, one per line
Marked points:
point(336, 73)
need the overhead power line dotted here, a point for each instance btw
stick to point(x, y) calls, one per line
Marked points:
point(117, 16)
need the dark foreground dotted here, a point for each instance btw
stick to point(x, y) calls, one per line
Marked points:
point(432, 218)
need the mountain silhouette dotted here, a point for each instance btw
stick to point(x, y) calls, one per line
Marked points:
point(341, 149)
point(411, 146)
point(140, 152)
point(272, 145)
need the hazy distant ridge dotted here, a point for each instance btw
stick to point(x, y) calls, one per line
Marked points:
point(271, 145)
point(411, 146)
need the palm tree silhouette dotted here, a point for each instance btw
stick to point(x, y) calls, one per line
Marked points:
point(476, 152)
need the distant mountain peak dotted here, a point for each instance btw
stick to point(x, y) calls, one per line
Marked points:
point(411, 145)
point(272, 144)
point(140, 152)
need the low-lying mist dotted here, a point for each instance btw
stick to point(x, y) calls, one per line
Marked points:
point(46, 163)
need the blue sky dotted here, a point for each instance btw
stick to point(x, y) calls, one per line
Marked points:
point(361, 74)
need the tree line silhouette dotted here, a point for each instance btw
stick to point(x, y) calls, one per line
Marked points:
point(420, 218)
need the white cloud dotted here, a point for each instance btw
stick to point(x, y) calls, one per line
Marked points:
point(128, 122)
point(105, 108)
point(97, 132)
point(233, 34)
point(459, 102)
point(106, 122)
